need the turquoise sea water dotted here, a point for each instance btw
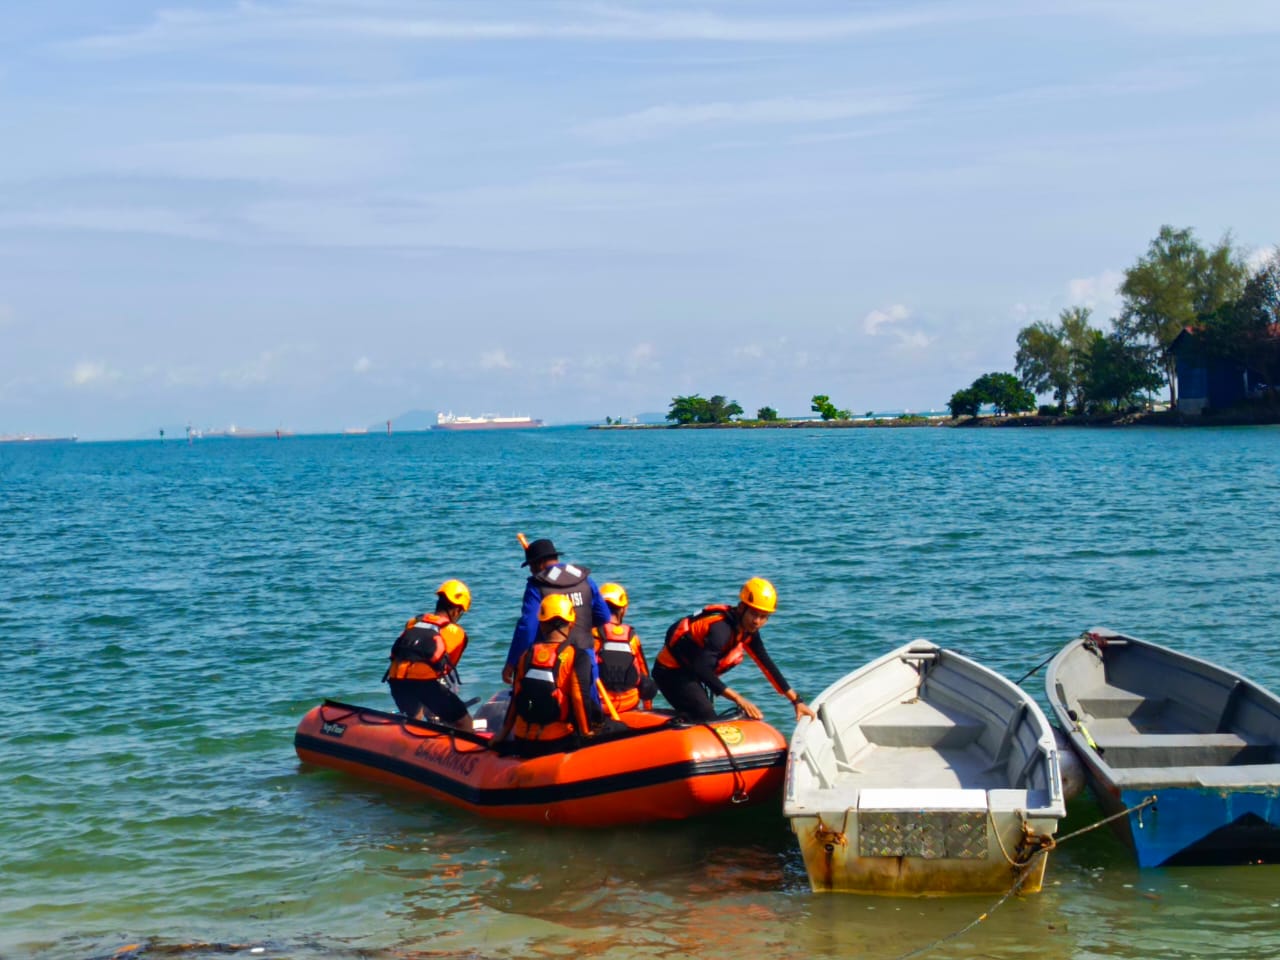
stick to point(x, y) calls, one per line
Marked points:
point(169, 611)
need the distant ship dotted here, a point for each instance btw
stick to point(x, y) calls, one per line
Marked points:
point(33, 438)
point(240, 433)
point(447, 421)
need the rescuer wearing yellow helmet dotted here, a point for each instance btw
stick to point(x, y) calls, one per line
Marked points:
point(701, 647)
point(548, 711)
point(619, 656)
point(424, 660)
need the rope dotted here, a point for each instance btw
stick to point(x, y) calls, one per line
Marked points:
point(1036, 667)
point(1149, 802)
point(740, 794)
point(1044, 842)
point(1023, 873)
point(826, 835)
point(1017, 884)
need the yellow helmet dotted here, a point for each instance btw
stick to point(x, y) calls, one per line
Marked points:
point(456, 592)
point(758, 594)
point(613, 593)
point(557, 606)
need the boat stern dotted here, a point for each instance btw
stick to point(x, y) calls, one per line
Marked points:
point(926, 842)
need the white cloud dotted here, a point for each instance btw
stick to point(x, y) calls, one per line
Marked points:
point(1096, 292)
point(749, 351)
point(888, 320)
point(1256, 260)
point(191, 28)
point(260, 369)
point(655, 121)
point(272, 157)
point(559, 369)
point(913, 339)
point(88, 373)
point(304, 92)
point(643, 356)
point(184, 377)
point(495, 360)
point(145, 220)
point(1188, 17)
point(363, 365)
point(876, 319)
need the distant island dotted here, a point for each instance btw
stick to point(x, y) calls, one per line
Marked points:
point(1202, 321)
point(1140, 418)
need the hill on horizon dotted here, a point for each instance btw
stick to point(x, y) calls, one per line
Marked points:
point(410, 420)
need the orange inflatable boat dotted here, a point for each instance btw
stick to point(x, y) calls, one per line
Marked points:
point(658, 768)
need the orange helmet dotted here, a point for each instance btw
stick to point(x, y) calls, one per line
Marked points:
point(556, 607)
point(456, 592)
point(614, 595)
point(758, 594)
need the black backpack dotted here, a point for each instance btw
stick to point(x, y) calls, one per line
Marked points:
point(419, 643)
point(540, 700)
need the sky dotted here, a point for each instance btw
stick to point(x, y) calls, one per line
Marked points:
point(315, 215)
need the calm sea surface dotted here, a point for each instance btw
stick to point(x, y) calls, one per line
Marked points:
point(169, 611)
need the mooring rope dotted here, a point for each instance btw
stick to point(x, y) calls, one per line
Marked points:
point(1017, 883)
point(1149, 802)
point(1022, 876)
point(1036, 667)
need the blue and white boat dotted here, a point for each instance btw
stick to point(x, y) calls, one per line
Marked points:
point(1196, 743)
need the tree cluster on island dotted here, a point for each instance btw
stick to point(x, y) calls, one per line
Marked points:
point(697, 409)
point(1177, 285)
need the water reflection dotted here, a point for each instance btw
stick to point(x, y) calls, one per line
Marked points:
point(737, 888)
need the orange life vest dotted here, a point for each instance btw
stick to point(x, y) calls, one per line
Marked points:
point(621, 663)
point(428, 649)
point(696, 628)
point(542, 695)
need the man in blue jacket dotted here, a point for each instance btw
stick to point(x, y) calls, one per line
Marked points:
point(547, 576)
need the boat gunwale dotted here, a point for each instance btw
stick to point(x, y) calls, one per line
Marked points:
point(1047, 744)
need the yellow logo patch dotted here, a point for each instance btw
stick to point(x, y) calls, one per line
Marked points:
point(729, 734)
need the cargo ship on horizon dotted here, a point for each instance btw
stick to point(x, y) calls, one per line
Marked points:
point(447, 421)
point(34, 438)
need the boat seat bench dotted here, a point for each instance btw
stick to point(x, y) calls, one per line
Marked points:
point(1183, 750)
point(920, 724)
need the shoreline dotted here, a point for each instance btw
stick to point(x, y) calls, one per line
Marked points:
point(1153, 418)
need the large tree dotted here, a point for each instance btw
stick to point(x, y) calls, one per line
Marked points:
point(821, 405)
point(1002, 390)
point(1077, 335)
point(1118, 374)
point(697, 409)
point(964, 403)
point(1004, 393)
point(722, 410)
point(1042, 361)
point(686, 409)
point(1052, 358)
point(1172, 287)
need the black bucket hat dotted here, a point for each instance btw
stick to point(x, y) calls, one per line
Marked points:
point(538, 551)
